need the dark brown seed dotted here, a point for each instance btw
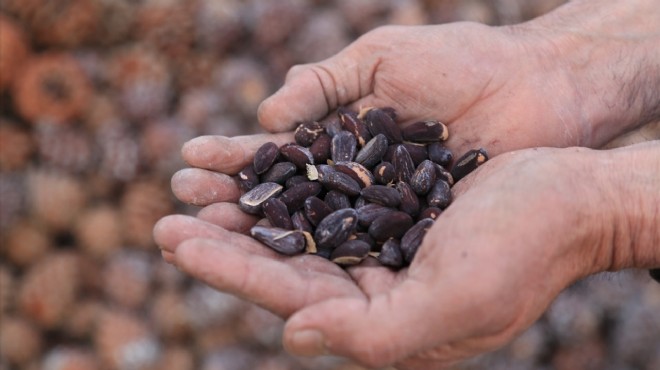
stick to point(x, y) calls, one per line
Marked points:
point(354, 125)
point(247, 178)
point(442, 174)
point(344, 147)
point(411, 241)
point(350, 252)
point(391, 225)
point(316, 210)
point(340, 182)
point(279, 172)
point(390, 254)
point(320, 149)
point(418, 152)
point(409, 201)
point(300, 222)
point(370, 212)
point(440, 154)
point(423, 178)
point(288, 242)
point(390, 112)
point(294, 198)
point(265, 157)
point(333, 126)
point(296, 154)
point(425, 131)
point(440, 195)
point(307, 132)
point(295, 180)
point(357, 172)
point(359, 203)
point(403, 164)
point(337, 200)
point(335, 228)
point(365, 237)
point(380, 122)
point(468, 162)
point(384, 173)
point(314, 172)
point(277, 214)
point(381, 194)
point(252, 201)
point(323, 252)
point(372, 152)
point(430, 212)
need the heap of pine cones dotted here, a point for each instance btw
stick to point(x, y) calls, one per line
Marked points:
point(97, 97)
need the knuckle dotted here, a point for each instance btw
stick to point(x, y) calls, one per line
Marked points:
point(296, 70)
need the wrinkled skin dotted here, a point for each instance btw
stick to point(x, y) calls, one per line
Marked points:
point(492, 262)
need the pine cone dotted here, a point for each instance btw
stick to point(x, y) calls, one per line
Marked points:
point(64, 148)
point(56, 199)
point(16, 145)
point(142, 205)
point(167, 26)
point(272, 22)
point(120, 152)
point(25, 243)
point(70, 358)
point(246, 83)
point(83, 318)
point(64, 23)
point(14, 51)
point(160, 142)
point(51, 88)
point(169, 315)
point(322, 36)
point(20, 341)
point(176, 358)
point(143, 81)
point(116, 23)
point(98, 231)
point(49, 288)
point(123, 341)
point(218, 24)
point(127, 278)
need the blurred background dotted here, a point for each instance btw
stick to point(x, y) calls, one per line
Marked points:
point(98, 97)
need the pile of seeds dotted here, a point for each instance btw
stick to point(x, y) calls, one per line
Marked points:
point(359, 185)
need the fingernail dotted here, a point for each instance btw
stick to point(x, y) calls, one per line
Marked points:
point(307, 343)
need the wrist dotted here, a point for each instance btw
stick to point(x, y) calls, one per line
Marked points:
point(625, 183)
point(606, 53)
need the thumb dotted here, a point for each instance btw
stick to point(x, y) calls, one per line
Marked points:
point(311, 91)
point(376, 332)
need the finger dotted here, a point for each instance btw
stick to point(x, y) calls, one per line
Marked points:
point(228, 155)
point(374, 332)
point(228, 216)
point(274, 283)
point(172, 230)
point(202, 187)
point(312, 90)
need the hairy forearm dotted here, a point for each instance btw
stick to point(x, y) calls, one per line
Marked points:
point(627, 180)
point(608, 51)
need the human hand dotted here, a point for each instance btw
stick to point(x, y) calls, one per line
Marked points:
point(522, 227)
point(555, 81)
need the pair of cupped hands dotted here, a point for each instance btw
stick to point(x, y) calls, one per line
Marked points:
point(519, 231)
